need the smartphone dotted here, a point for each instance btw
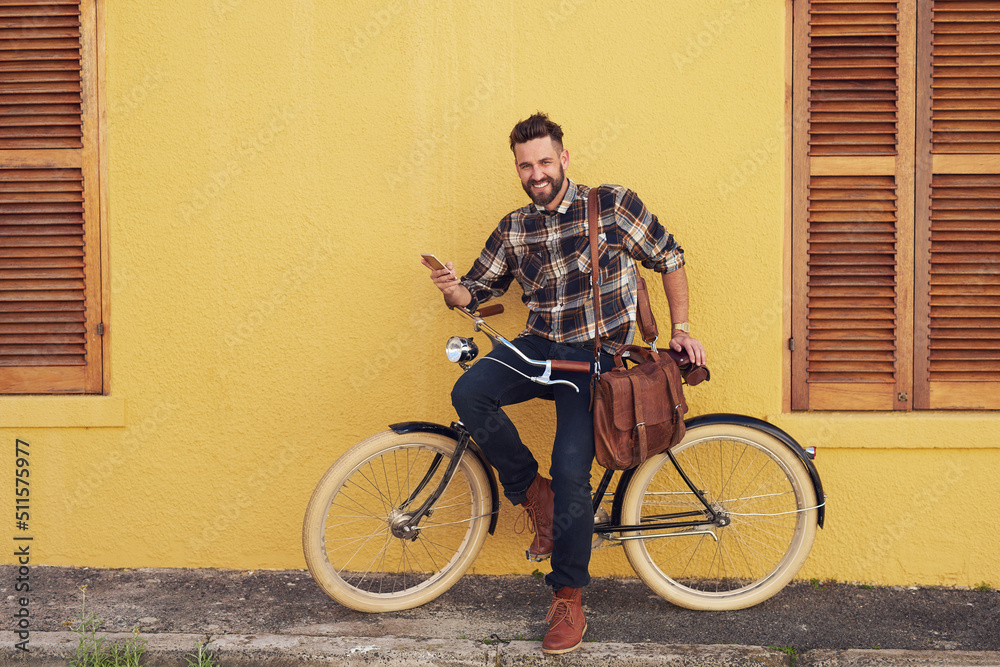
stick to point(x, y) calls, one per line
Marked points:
point(433, 261)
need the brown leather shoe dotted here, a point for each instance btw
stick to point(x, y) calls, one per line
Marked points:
point(537, 514)
point(566, 622)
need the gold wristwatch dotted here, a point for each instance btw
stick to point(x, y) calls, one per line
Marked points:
point(682, 326)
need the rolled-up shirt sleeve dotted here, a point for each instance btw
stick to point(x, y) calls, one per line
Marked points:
point(643, 237)
point(490, 275)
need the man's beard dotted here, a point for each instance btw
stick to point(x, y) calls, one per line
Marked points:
point(544, 198)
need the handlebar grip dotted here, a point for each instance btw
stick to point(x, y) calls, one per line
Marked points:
point(570, 366)
point(486, 311)
point(691, 373)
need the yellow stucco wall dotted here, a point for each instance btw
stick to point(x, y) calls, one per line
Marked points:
point(275, 168)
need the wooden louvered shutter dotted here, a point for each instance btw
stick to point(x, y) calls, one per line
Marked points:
point(50, 273)
point(852, 204)
point(957, 300)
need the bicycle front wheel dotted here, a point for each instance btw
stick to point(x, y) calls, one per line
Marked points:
point(353, 535)
point(766, 505)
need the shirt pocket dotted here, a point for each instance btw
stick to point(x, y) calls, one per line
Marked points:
point(583, 260)
point(532, 273)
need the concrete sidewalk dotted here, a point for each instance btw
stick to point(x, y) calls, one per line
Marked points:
point(281, 617)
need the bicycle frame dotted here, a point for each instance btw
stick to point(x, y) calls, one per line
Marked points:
point(605, 530)
point(657, 522)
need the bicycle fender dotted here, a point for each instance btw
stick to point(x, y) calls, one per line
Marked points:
point(449, 432)
point(748, 422)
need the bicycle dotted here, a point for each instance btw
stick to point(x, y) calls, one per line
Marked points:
point(723, 520)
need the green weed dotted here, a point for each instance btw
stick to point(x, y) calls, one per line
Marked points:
point(95, 650)
point(203, 658)
point(790, 651)
point(821, 585)
point(982, 586)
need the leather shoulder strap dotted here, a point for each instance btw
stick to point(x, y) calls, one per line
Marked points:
point(593, 220)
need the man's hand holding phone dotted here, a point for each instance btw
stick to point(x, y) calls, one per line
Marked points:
point(444, 278)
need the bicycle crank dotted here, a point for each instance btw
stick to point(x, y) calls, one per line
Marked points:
point(602, 540)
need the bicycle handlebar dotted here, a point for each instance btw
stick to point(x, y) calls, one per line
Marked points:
point(691, 373)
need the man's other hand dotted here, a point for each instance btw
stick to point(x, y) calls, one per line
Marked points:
point(692, 347)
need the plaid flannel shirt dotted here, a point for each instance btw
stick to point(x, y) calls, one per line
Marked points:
point(548, 252)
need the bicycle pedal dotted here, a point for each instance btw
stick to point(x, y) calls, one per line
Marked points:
point(536, 557)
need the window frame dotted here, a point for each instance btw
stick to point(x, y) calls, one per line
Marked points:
point(95, 375)
point(913, 173)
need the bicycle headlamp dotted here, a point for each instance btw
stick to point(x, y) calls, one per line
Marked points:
point(460, 350)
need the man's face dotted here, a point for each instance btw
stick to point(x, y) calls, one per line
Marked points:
point(541, 166)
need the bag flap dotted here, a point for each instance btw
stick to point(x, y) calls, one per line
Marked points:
point(651, 382)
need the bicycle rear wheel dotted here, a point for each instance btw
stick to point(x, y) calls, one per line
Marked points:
point(767, 504)
point(351, 534)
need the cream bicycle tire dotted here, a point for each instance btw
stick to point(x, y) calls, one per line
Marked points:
point(347, 533)
point(763, 490)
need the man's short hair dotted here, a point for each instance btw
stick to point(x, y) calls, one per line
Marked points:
point(536, 127)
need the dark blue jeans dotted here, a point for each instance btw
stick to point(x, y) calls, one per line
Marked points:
point(479, 397)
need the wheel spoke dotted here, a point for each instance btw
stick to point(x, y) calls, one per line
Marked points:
point(425, 543)
point(355, 538)
point(360, 509)
point(364, 572)
point(340, 522)
point(376, 494)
